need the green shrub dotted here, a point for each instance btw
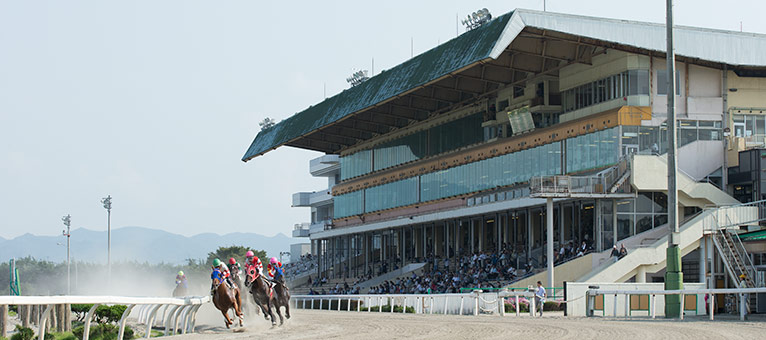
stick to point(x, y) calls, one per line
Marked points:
point(23, 333)
point(103, 332)
point(109, 314)
point(80, 311)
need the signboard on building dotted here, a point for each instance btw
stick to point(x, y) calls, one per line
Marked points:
point(521, 120)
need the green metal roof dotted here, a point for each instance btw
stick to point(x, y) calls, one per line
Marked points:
point(462, 51)
point(753, 236)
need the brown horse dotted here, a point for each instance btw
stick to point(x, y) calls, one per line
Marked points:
point(282, 298)
point(263, 295)
point(225, 298)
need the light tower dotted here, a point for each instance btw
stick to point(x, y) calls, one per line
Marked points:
point(67, 222)
point(674, 277)
point(107, 202)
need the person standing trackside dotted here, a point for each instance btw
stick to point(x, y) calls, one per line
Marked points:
point(540, 297)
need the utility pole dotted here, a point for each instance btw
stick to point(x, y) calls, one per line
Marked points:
point(67, 222)
point(674, 277)
point(107, 202)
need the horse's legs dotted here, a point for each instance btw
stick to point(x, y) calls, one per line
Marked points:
point(226, 316)
point(271, 313)
point(287, 307)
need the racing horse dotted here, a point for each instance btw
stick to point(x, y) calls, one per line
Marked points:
point(263, 295)
point(282, 298)
point(225, 298)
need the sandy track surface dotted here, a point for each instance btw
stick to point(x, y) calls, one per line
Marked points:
point(313, 324)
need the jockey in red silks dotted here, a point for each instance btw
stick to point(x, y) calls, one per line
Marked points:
point(275, 270)
point(253, 265)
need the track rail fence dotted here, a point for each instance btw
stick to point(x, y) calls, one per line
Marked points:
point(177, 311)
point(741, 293)
point(472, 303)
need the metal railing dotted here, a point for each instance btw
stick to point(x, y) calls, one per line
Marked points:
point(739, 292)
point(182, 310)
point(455, 304)
point(600, 183)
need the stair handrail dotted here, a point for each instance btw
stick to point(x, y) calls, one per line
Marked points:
point(725, 258)
point(742, 252)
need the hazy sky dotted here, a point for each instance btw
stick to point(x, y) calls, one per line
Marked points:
point(155, 102)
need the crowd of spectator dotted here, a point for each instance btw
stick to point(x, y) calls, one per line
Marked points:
point(444, 275)
point(306, 264)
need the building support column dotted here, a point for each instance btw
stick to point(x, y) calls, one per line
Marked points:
point(703, 260)
point(549, 217)
point(614, 223)
point(473, 227)
point(641, 274)
point(530, 235)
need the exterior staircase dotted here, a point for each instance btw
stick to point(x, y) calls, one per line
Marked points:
point(735, 258)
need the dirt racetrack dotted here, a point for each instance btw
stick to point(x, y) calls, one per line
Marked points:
point(314, 324)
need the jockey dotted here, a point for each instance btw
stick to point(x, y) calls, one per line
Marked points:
point(222, 272)
point(181, 279)
point(253, 264)
point(234, 266)
point(275, 270)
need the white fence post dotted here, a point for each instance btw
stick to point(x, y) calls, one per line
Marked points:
point(462, 298)
point(711, 297)
point(681, 314)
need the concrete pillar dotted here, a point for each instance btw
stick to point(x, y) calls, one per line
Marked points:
point(482, 226)
point(26, 312)
point(4, 321)
point(641, 274)
point(473, 227)
point(67, 318)
point(549, 217)
point(530, 235)
point(614, 224)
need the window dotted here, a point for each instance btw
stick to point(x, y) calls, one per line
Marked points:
point(606, 89)
point(518, 91)
point(662, 82)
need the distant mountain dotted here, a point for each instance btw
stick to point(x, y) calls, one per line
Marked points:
point(136, 244)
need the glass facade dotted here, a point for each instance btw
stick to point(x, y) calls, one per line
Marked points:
point(438, 139)
point(634, 216)
point(391, 195)
point(653, 139)
point(355, 165)
point(493, 172)
point(589, 151)
point(628, 83)
point(592, 151)
point(349, 204)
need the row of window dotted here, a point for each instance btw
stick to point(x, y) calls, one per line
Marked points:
point(628, 83)
point(593, 150)
point(589, 151)
point(655, 138)
point(439, 139)
point(490, 173)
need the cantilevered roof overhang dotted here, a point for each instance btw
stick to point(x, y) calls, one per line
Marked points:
point(511, 49)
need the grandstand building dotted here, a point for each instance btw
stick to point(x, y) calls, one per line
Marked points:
point(534, 131)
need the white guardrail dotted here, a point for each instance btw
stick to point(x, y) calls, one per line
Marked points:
point(457, 304)
point(740, 293)
point(180, 309)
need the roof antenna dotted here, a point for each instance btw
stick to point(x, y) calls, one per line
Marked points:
point(543, 5)
point(325, 90)
point(412, 47)
point(373, 67)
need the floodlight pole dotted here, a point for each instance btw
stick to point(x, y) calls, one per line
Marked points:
point(107, 201)
point(67, 222)
point(673, 274)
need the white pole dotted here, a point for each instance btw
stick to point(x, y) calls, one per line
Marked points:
point(711, 297)
point(682, 306)
point(654, 299)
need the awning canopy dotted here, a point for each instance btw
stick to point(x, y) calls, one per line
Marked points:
point(511, 49)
